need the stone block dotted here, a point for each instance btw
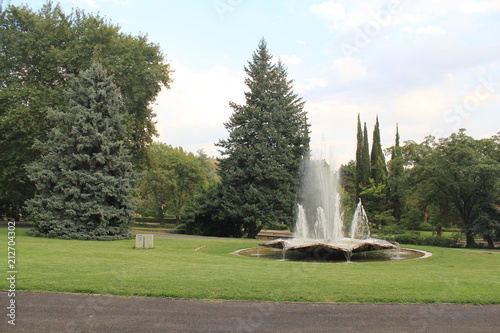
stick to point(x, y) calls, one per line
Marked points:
point(139, 241)
point(148, 241)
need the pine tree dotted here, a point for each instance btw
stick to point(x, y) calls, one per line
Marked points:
point(377, 159)
point(268, 137)
point(83, 178)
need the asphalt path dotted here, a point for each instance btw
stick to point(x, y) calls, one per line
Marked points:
point(63, 312)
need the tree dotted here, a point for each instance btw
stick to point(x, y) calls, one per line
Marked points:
point(83, 179)
point(377, 159)
point(360, 172)
point(172, 181)
point(347, 178)
point(394, 181)
point(462, 172)
point(39, 52)
point(268, 137)
point(365, 158)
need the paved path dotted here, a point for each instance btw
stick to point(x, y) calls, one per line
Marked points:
point(59, 312)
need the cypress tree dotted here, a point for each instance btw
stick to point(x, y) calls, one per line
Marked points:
point(84, 178)
point(268, 137)
point(359, 158)
point(365, 159)
point(396, 169)
point(377, 159)
point(396, 150)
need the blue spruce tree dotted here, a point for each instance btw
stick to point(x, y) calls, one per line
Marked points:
point(84, 177)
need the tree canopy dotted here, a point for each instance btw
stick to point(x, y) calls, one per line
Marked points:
point(464, 173)
point(172, 181)
point(39, 52)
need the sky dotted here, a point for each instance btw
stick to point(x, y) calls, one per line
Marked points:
point(432, 67)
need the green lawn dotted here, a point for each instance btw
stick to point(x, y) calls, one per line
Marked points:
point(447, 234)
point(204, 268)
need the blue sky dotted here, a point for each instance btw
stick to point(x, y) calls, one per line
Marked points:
point(430, 66)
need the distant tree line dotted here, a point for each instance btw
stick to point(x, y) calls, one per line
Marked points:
point(172, 181)
point(442, 183)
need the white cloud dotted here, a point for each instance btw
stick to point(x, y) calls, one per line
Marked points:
point(473, 7)
point(349, 68)
point(329, 10)
point(429, 30)
point(192, 113)
point(311, 84)
point(290, 59)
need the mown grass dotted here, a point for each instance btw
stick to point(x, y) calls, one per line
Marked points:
point(204, 268)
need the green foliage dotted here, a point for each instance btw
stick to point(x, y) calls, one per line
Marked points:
point(83, 178)
point(426, 226)
point(396, 195)
point(348, 187)
point(413, 216)
point(377, 159)
point(430, 241)
point(458, 175)
point(210, 215)
point(361, 175)
point(171, 182)
point(374, 201)
point(39, 53)
point(268, 137)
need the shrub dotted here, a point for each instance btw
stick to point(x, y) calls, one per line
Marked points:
point(426, 226)
point(430, 241)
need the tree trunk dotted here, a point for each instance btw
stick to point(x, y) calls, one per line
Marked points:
point(253, 231)
point(160, 213)
point(469, 239)
point(489, 239)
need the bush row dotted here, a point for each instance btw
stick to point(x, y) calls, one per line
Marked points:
point(419, 240)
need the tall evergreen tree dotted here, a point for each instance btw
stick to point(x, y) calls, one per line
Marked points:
point(365, 158)
point(377, 159)
point(396, 169)
point(83, 178)
point(359, 158)
point(396, 150)
point(268, 137)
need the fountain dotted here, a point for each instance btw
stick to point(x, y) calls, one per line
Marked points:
point(320, 230)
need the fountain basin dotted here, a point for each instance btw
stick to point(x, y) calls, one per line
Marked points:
point(341, 246)
point(277, 254)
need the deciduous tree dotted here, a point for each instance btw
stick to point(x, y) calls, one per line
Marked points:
point(171, 182)
point(465, 173)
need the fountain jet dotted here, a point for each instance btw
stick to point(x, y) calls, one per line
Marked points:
point(319, 226)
